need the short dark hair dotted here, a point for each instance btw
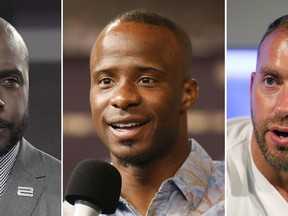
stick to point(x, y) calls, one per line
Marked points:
point(151, 18)
point(147, 17)
point(280, 23)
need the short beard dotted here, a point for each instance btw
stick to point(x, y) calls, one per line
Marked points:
point(16, 132)
point(139, 159)
point(272, 158)
point(132, 159)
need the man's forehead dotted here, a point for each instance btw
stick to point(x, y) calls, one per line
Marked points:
point(13, 39)
point(133, 32)
point(12, 47)
point(145, 36)
point(132, 26)
point(273, 53)
point(276, 34)
point(273, 41)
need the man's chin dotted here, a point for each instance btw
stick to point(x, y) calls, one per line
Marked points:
point(14, 139)
point(128, 159)
point(276, 157)
point(127, 156)
point(5, 148)
point(16, 134)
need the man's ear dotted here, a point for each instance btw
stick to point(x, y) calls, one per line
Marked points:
point(253, 74)
point(190, 93)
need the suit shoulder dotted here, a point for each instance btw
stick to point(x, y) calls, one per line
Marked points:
point(35, 152)
point(38, 162)
point(50, 161)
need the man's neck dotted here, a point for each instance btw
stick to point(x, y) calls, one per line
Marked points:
point(141, 183)
point(279, 179)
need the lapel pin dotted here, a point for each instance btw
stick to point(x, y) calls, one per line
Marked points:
point(25, 191)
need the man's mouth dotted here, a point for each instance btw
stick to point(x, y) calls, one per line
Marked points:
point(3, 125)
point(281, 134)
point(128, 128)
point(2, 128)
point(278, 135)
point(123, 126)
point(6, 124)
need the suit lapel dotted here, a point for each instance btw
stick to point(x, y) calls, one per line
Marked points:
point(25, 183)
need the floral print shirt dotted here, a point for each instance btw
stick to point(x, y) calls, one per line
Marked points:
point(197, 188)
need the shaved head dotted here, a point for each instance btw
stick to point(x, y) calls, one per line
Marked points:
point(16, 43)
point(14, 86)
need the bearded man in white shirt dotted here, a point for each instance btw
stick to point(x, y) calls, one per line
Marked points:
point(258, 146)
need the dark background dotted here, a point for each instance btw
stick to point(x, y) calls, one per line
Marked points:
point(83, 20)
point(39, 23)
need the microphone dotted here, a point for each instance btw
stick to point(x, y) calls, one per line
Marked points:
point(94, 188)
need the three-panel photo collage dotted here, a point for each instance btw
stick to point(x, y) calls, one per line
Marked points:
point(144, 108)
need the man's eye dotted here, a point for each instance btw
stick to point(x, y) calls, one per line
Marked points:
point(270, 81)
point(105, 81)
point(146, 80)
point(11, 82)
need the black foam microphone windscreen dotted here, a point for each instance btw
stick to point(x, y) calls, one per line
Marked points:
point(96, 182)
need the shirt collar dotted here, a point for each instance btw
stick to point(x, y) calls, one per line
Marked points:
point(193, 176)
point(10, 157)
point(6, 164)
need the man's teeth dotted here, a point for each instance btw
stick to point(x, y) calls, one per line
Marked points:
point(127, 125)
point(281, 134)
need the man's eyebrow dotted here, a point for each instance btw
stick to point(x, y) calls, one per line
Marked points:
point(267, 71)
point(145, 69)
point(138, 68)
point(98, 72)
point(8, 72)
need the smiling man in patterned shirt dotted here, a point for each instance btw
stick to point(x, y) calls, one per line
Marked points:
point(141, 89)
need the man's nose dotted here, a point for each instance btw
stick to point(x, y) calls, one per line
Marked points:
point(2, 104)
point(282, 102)
point(126, 95)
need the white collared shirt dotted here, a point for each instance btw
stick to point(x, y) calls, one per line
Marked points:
point(248, 191)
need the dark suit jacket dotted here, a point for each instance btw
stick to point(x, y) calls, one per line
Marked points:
point(39, 172)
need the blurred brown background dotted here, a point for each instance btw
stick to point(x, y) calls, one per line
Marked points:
point(82, 22)
point(39, 23)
